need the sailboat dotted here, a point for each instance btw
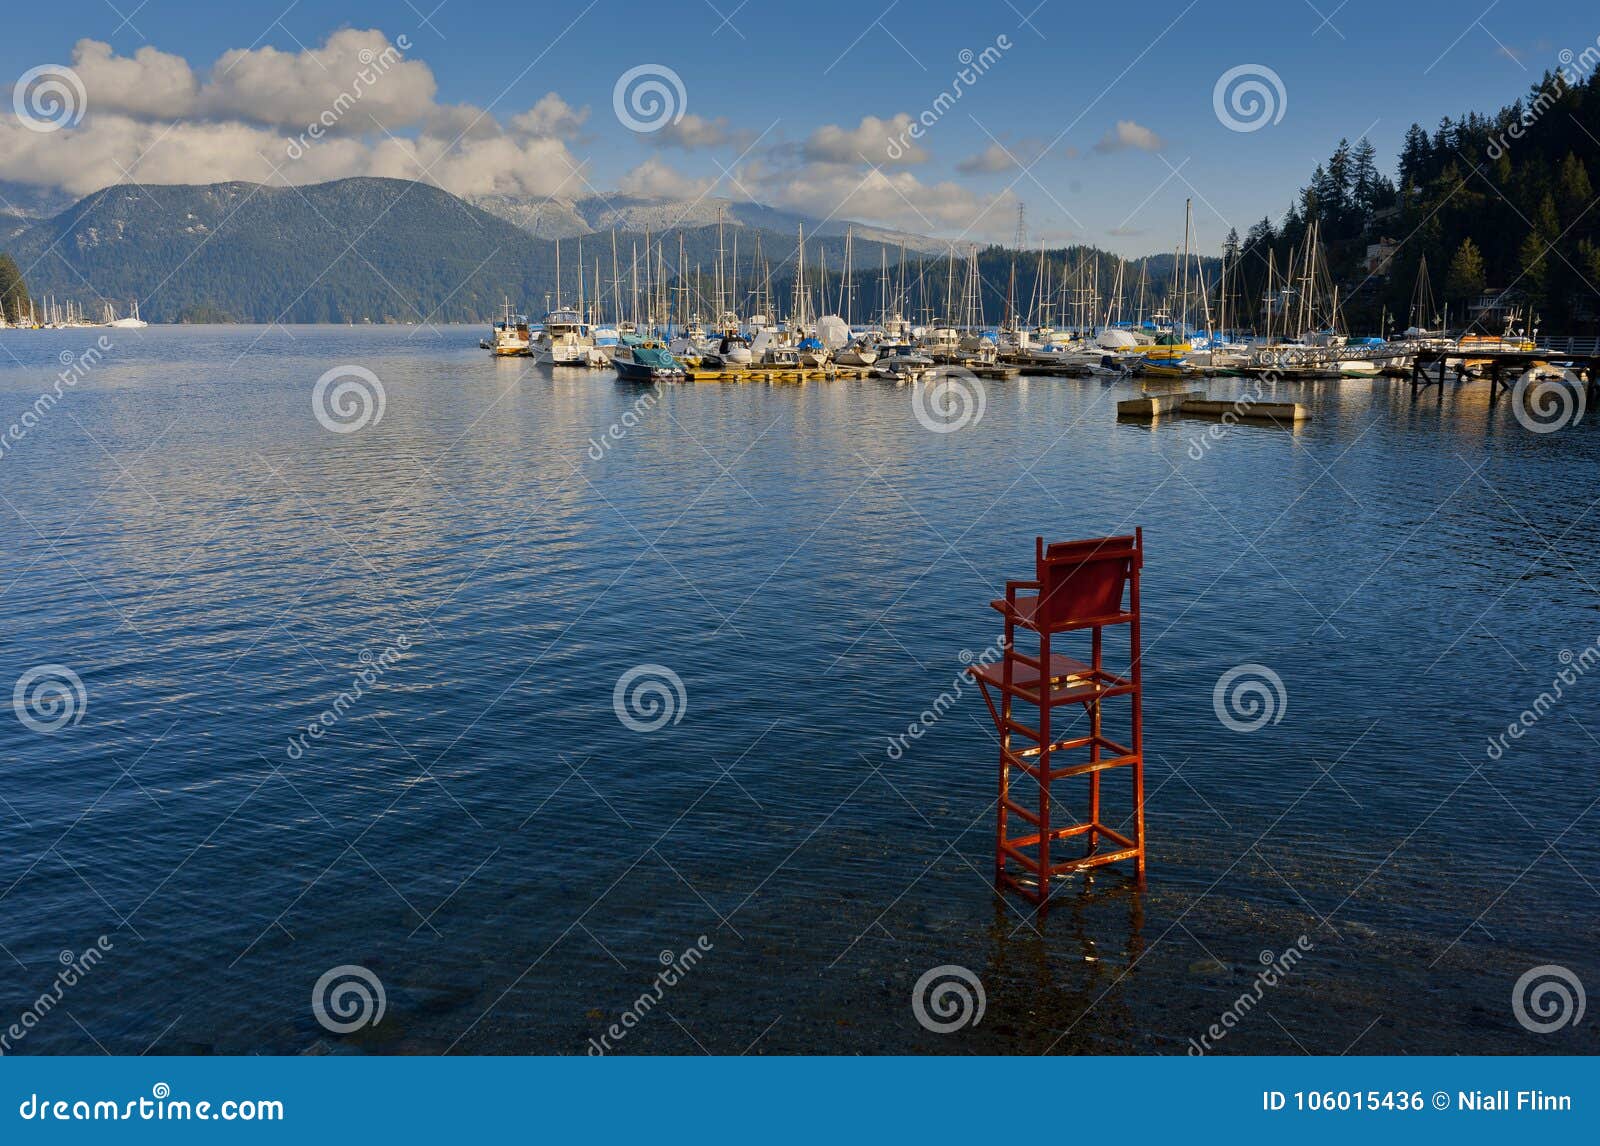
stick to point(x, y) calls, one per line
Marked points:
point(564, 338)
point(860, 350)
point(131, 322)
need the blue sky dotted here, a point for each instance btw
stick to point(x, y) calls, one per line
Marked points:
point(1100, 118)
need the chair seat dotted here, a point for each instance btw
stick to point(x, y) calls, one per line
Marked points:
point(1062, 669)
point(1027, 608)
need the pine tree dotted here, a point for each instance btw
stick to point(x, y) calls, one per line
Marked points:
point(1369, 190)
point(13, 291)
point(1465, 280)
point(1534, 254)
point(1416, 156)
point(1574, 192)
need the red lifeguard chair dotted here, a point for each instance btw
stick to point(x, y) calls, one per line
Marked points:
point(1078, 585)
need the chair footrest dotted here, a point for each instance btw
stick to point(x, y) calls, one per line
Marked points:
point(1027, 760)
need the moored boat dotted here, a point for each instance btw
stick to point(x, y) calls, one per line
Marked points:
point(647, 364)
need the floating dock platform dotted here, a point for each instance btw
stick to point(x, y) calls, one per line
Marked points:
point(1194, 403)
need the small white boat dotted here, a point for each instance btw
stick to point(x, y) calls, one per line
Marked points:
point(508, 338)
point(131, 321)
point(902, 362)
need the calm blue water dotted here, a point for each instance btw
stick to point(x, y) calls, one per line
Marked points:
point(482, 832)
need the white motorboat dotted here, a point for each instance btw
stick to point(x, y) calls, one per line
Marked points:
point(563, 340)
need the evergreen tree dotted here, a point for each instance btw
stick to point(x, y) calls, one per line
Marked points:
point(1534, 254)
point(1416, 156)
point(1574, 192)
point(1365, 180)
point(1465, 281)
point(13, 291)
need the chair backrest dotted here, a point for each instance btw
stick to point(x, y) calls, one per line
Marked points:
point(1084, 581)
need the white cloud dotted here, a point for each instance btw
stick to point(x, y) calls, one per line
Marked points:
point(990, 160)
point(460, 121)
point(149, 83)
point(1128, 134)
point(293, 89)
point(654, 179)
point(695, 131)
point(150, 119)
point(499, 166)
point(869, 141)
point(890, 198)
point(552, 116)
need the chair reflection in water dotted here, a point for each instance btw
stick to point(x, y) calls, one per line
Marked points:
point(1078, 587)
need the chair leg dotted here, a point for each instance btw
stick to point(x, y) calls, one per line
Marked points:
point(1005, 766)
point(1093, 834)
point(1043, 758)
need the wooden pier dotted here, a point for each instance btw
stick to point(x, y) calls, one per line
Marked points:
point(1503, 368)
